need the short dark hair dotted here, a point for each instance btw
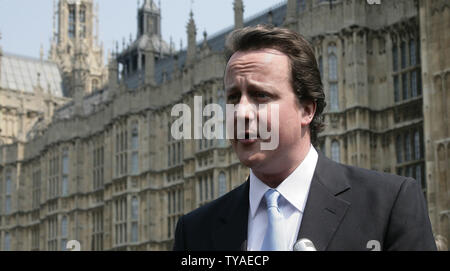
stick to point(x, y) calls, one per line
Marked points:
point(305, 75)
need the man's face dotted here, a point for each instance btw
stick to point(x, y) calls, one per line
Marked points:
point(263, 77)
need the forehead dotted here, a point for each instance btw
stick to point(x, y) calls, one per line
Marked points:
point(265, 55)
point(261, 59)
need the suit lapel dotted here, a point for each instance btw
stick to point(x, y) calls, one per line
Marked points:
point(231, 230)
point(322, 216)
point(324, 210)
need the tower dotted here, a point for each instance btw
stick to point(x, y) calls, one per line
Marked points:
point(75, 31)
point(137, 60)
point(149, 19)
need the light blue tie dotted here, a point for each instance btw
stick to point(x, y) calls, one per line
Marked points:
point(274, 239)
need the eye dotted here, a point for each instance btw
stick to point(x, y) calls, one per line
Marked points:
point(233, 97)
point(261, 95)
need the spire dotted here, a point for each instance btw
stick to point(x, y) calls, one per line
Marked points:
point(205, 38)
point(41, 52)
point(54, 20)
point(238, 14)
point(97, 24)
point(113, 76)
point(79, 76)
point(149, 19)
point(150, 6)
point(171, 46)
point(191, 33)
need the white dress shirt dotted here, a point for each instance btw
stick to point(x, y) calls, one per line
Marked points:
point(294, 193)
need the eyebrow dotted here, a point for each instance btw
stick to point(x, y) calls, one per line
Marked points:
point(253, 84)
point(262, 86)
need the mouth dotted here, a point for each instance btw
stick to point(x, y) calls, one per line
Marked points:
point(247, 138)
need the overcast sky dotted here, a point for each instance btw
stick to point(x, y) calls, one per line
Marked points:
point(26, 24)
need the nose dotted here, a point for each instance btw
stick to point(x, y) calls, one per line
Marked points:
point(245, 109)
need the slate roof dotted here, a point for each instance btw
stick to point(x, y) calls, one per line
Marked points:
point(25, 73)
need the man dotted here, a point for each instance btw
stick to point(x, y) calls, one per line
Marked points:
point(294, 192)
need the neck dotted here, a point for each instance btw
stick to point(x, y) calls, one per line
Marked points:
point(274, 179)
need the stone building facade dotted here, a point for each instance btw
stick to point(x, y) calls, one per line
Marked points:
point(102, 167)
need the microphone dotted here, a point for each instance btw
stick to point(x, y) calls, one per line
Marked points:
point(304, 244)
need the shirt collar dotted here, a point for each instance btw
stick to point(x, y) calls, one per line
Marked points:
point(294, 188)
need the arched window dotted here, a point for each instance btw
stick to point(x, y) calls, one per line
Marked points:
point(8, 190)
point(222, 184)
point(332, 66)
point(7, 245)
point(335, 151)
point(82, 21)
point(135, 148)
point(180, 201)
point(407, 142)
point(134, 136)
point(134, 208)
point(399, 148)
point(415, 88)
point(412, 52)
point(419, 175)
point(64, 227)
point(396, 89)
point(395, 57)
point(134, 218)
point(333, 76)
point(414, 84)
point(403, 54)
point(417, 153)
point(64, 233)
point(65, 172)
point(405, 91)
point(72, 21)
point(334, 96)
point(200, 187)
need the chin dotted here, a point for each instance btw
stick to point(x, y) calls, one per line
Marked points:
point(251, 160)
point(251, 155)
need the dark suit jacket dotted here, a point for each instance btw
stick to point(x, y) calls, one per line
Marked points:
point(345, 209)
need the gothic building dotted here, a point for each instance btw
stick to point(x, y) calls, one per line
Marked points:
point(75, 47)
point(87, 154)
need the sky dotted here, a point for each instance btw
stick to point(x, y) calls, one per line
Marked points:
point(25, 25)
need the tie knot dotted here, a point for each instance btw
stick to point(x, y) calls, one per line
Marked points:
point(271, 197)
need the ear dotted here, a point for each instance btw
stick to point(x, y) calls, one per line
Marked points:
point(308, 109)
